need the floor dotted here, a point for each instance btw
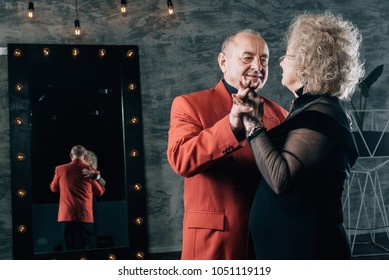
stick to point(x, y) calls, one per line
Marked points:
point(364, 249)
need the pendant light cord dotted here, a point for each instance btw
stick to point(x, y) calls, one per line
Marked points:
point(76, 10)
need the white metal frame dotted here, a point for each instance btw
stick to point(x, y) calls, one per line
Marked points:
point(365, 177)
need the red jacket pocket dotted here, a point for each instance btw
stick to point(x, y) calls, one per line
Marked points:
point(206, 220)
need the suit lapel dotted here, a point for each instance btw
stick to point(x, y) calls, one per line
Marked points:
point(224, 100)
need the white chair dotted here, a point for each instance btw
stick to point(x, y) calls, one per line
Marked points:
point(364, 188)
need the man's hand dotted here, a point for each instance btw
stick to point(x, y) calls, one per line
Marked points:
point(247, 105)
point(240, 104)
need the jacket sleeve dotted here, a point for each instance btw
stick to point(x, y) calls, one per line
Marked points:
point(193, 148)
point(54, 185)
point(97, 189)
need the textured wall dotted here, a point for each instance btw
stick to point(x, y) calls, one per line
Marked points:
point(178, 55)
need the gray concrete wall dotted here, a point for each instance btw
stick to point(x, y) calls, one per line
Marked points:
point(177, 55)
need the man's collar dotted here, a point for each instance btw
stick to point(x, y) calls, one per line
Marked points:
point(229, 88)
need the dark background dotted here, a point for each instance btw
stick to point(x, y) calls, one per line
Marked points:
point(76, 104)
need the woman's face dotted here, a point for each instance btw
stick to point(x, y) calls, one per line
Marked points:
point(290, 79)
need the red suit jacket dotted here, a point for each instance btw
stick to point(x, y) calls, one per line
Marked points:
point(75, 192)
point(220, 173)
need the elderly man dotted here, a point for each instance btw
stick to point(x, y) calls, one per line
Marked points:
point(208, 147)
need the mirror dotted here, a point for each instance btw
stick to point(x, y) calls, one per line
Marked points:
point(65, 95)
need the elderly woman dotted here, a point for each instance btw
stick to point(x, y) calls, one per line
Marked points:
point(305, 161)
point(92, 172)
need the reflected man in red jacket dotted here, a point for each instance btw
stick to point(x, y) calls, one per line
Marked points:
point(76, 200)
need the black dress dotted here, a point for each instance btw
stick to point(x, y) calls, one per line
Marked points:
point(304, 162)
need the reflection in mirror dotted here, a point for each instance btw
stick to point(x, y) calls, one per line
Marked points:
point(70, 108)
point(58, 100)
point(75, 104)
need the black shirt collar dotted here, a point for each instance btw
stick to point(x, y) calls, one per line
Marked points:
point(229, 88)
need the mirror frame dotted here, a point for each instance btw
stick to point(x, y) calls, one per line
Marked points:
point(19, 57)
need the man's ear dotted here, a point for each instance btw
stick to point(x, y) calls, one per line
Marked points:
point(221, 59)
point(71, 156)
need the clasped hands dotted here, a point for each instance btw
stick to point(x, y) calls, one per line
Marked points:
point(247, 107)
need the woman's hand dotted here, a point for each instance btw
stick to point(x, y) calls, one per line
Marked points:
point(89, 173)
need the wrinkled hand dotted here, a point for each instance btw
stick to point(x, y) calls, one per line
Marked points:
point(247, 105)
point(238, 109)
point(89, 173)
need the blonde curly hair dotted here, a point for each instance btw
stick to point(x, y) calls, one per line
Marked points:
point(91, 159)
point(326, 54)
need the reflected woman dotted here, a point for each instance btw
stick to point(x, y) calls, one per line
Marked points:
point(92, 172)
point(305, 161)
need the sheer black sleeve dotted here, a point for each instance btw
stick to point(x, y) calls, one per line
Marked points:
point(303, 144)
point(306, 140)
point(282, 168)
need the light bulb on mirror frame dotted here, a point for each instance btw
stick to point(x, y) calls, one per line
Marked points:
point(123, 6)
point(22, 228)
point(77, 28)
point(21, 193)
point(140, 255)
point(30, 9)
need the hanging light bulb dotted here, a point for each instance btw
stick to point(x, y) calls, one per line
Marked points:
point(170, 7)
point(30, 9)
point(77, 28)
point(123, 6)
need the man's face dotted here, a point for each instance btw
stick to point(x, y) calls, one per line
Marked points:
point(247, 55)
